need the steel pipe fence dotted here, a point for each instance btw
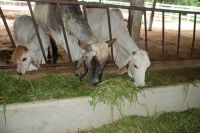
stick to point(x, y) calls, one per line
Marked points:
point(7, 28)
point(86, 5)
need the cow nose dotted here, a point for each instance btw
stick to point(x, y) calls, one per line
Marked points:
point(19, 73)
point(95, 81)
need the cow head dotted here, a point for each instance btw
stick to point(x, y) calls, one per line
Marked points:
point(136, 66)
point(23, 59)
point(94, 60)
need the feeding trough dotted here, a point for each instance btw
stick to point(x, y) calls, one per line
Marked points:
point(71, 115)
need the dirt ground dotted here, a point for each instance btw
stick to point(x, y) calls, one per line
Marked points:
point(154, 38)
point(154, 42)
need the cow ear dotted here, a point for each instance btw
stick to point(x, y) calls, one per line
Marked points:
point(111, 42)
point(124, 68)
point(35, 63)
point(84, 46)
point(81, 70)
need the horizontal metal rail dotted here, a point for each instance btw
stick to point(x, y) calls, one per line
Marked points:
point(98, 5)
point(58, 65)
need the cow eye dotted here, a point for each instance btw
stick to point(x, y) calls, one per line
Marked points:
point(135, 66)
point(24, 59)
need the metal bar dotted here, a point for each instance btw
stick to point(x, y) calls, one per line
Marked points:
point(179, 33)
point(63, 29)
point(36, 29)
point(145, 28)
point(163, 33)
point(41, 65)
point(72, 66)
point(194, 34)
point(97, 5)
point(48, 65)
point(7, 28)
point(130, 21)
point(85, 12)
point(110, 30)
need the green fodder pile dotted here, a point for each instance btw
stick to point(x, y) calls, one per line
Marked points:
point(112, 90)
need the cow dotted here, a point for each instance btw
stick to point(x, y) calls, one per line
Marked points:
point(91, 55)
point(128, 57)
point(27, 54)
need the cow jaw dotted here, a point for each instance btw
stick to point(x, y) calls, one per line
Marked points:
point(23, 59)
point(136, 66)
point(94, 59)
point(140, 63)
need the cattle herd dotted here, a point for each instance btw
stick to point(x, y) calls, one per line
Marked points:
point(88, 41)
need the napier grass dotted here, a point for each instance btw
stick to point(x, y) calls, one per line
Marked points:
point(56, 86)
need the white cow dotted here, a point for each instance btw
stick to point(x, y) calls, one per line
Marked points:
point(95, 54)
point(128, 57)
point(27, 54)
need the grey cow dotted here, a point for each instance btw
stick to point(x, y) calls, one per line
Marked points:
point(92, 54)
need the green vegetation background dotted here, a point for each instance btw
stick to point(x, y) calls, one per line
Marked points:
point(179, 2)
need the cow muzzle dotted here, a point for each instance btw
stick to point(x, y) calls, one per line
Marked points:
point(95, 81)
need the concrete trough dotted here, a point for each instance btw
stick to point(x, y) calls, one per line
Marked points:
point(73, 115)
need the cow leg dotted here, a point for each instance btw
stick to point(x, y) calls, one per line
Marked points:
point(53, 52)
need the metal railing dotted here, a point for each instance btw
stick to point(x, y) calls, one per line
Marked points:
point(107, 7)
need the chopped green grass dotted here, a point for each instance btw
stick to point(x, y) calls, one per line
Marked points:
point(112, 90)
point(51, 86)
point(179, 122)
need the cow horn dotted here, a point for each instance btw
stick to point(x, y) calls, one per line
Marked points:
point(111, 42)
point(86, 47)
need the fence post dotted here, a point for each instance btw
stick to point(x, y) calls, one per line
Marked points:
point(152, 16)
point(136, 17)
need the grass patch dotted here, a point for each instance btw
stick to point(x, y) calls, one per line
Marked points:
point(181, 122)
point(55, 86)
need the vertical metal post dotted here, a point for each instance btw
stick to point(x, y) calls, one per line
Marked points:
point(130, 21)
point(7, 28)
point(179, 33)
point(163, 33)
point(110, 29)
point(36, 29)
point(194, 34)
point(63, 29)
point(145, 28)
